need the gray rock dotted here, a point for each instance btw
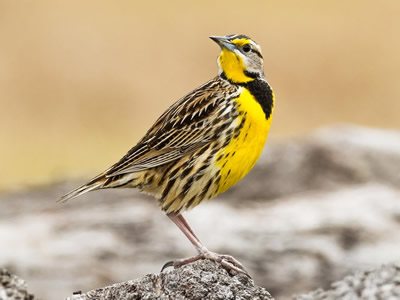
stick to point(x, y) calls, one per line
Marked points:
point(382, 283)
point(12, 287)
point(313, 211)
point(196, 281)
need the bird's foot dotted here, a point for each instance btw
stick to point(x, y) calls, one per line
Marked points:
point(227, 261)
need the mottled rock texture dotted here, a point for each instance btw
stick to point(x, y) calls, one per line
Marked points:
point(208, 280)
point(197, 281)
point(382, 283)
point(12, 287)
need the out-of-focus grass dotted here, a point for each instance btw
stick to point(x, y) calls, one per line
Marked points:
point(80, 82)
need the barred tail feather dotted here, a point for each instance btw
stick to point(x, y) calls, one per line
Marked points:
point(94, 184)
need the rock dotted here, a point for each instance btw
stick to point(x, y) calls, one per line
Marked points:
point(313, 211)
point(12, 287)
point(382, 283)
point(199, 280)
point(208, 280)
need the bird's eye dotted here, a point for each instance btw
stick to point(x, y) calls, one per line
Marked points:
point(246, 48)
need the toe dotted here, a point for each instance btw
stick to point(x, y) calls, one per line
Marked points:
point(167, 265)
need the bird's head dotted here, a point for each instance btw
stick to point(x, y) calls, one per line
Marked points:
point(240, 60)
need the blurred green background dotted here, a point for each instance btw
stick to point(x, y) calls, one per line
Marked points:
point(81, 81)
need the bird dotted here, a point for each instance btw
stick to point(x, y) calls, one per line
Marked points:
point(202, 145)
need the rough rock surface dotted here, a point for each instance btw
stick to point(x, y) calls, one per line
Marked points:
point(208, 280)
point(312, 211)
point(382, 283)
point(199, 280)
point(12, 287)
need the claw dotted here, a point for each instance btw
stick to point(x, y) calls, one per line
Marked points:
point(167, 265)
point(227, 261)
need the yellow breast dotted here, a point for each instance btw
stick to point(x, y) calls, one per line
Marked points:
point(242, 153)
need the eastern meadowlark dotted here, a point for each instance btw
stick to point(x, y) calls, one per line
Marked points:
point(203, 144)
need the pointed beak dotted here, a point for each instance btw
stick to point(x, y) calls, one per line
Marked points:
point(223, 42)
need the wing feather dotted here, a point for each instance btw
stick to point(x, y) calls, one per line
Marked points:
point(186, 126)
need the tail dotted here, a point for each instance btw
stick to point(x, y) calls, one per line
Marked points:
point(95, 184)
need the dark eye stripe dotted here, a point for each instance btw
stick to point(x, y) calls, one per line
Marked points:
point(256, 52)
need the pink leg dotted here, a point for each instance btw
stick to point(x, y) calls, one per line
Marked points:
point(226, 261)
point(180, 221)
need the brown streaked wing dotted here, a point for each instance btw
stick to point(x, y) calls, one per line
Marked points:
point(186, 126)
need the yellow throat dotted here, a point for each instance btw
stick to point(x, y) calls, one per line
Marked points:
point(233, 66)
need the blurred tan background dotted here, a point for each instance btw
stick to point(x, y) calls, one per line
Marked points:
point(81, 81)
